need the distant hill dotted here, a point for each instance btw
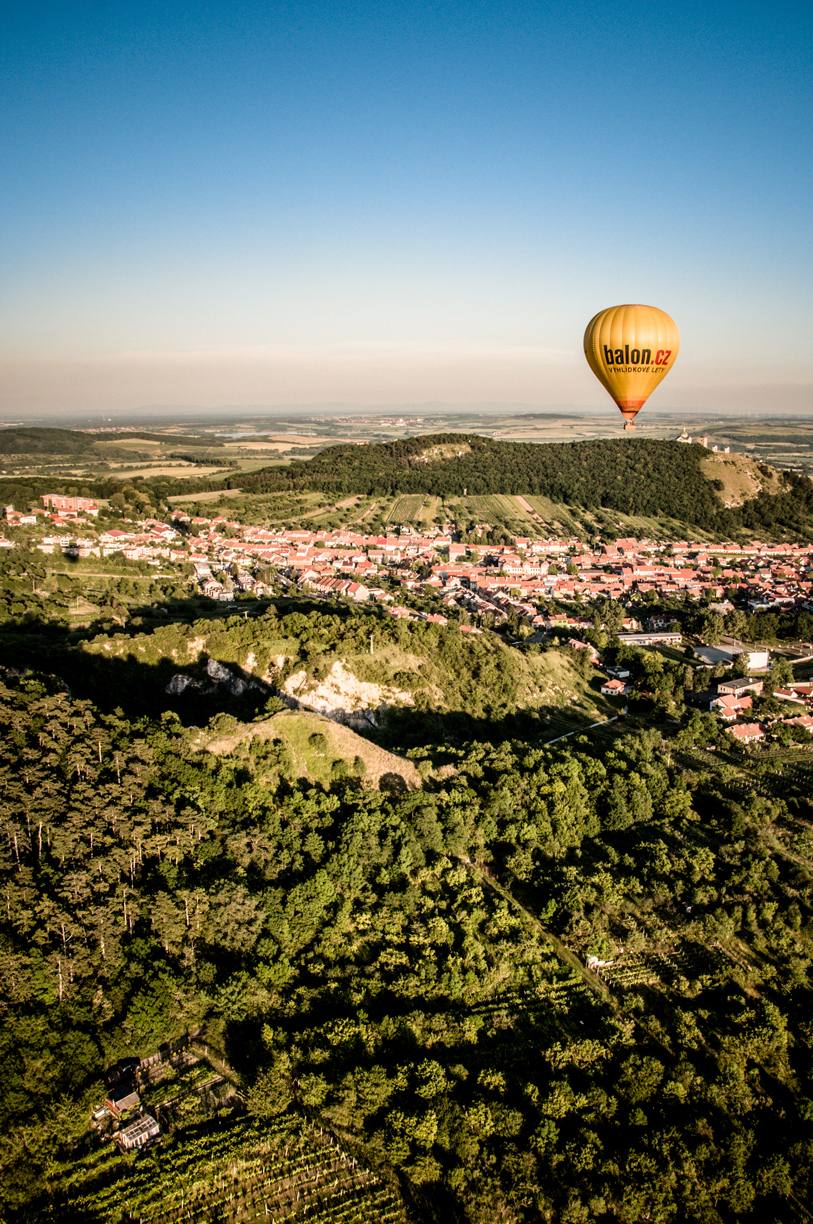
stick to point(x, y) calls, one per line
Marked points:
point(637, 477)
point(679, 486)
point(34, 441)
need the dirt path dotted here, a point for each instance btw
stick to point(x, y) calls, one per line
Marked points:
point(528, 508)
point(592, 980)
point(100, 574)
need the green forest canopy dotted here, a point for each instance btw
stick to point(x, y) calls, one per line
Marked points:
point(629, 476)
point(410, 967)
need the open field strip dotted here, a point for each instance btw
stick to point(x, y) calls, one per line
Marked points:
point(148, 445)
point(499, 510)
point(482, 508)
point(374, 508)
point(212, 495)
point(250, 447)
point(518, 510)
point(429, 511)
point(643, 526)
point(284, 441)
point(168, 469)
point(254, 463)
point(555, 517)
point(110, 575)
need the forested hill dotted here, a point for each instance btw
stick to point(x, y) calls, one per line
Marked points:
point(410, 970)
point(632, 476)
point(36, 441)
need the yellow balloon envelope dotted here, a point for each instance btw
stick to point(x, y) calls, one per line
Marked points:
point(630, 349)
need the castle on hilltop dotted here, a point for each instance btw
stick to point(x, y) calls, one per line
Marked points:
point(703, 440)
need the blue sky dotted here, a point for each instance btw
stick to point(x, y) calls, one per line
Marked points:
point(379, 203)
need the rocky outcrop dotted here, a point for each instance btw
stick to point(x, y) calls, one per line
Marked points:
point(215, 675)
point(343, 697)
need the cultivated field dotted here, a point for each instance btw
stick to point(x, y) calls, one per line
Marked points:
point(286, 1170)
point(533, 516)
point(179, 470)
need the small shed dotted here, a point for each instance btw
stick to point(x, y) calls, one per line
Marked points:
point(138, 1134)
point(122, 1099)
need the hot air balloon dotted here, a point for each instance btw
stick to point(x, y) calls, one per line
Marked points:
point(630, 349)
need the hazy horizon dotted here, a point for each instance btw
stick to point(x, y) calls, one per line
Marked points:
point(384, 205)
point(169, 415)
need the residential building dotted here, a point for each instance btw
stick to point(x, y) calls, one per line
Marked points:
point(740, 685)
point(70, 505)
point(729, 707)
point(747, 733)
point(651, 639)
point(614, 688)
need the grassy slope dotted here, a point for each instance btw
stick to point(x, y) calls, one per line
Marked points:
point(539, 517)
point(313, 744)
point(549, 679)
point(741, 477)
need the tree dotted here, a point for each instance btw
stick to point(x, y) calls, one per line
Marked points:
point(271, 1093)
point(780, 675)
point(712, 628)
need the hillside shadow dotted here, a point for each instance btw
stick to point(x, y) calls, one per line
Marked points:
point(145, 618)
point(412, 728)
point(197, 691)
point(133, 685)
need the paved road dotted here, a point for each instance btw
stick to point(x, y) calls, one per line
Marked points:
point(580, 730)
